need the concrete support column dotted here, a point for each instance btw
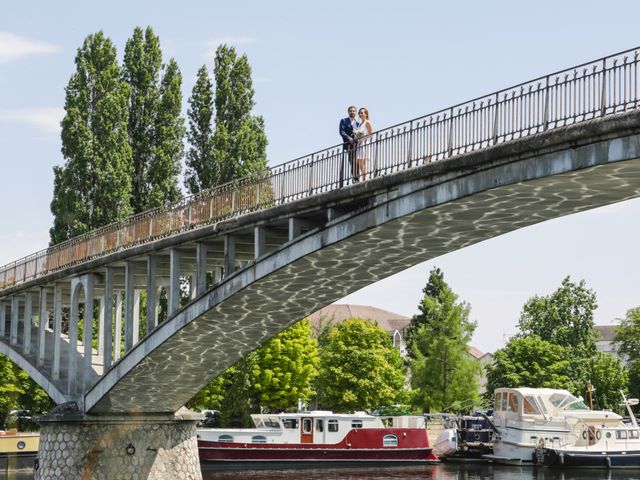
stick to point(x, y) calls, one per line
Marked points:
point(136, 317)
point(129, 306)
point(174, 282)
point(192, 286)
point(87, 330)
point(117, 342)
point(43, 321)
point(74, 318)
point(28, 314)
point(217, 274)
point(107, 353)
point(152, 293)
point(295, 228)
point(57, 329)
point(15, 306)
point(201, 268)
point(158, 447)
point(229, 255)
point(3, 318)
point(259, 241)
point(100, 325)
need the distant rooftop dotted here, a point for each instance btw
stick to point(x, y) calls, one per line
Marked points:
point(332, 314)
point(390, 322)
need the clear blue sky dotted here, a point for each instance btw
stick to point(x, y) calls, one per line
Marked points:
point(310, 60)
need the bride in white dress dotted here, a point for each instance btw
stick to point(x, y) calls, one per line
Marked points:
point(364, 134)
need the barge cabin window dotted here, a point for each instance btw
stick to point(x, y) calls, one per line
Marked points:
point(225, 438)
point(290, 423)
point(332, 425)
point(319, 425)
point(258, 439)
point(356, 423)
point(390, 441)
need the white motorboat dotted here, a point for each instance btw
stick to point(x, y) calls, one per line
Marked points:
point(526, 418)
point(606, 446)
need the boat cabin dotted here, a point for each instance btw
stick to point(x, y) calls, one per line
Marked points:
point(315, 427)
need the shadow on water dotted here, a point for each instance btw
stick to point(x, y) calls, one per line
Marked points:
point(426, 472)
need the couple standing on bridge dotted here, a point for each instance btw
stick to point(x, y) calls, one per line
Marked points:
point(357, 137)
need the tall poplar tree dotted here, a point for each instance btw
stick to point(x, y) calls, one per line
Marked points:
point(141, 70)
point(93, 188)
point(201, 172)
point(167, 148)
point(239, 140)
point(155, 126)
point(238, 145)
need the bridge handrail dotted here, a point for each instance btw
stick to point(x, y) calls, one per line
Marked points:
point(601, 87)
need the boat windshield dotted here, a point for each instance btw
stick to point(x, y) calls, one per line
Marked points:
point(566, 401)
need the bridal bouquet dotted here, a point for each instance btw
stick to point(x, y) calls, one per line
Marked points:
point(360, 133)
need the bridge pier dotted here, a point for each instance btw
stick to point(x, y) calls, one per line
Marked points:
point(136, 447)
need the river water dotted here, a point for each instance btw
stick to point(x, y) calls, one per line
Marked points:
point(447, 471)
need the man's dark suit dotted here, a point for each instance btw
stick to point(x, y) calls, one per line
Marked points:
point(349, 139)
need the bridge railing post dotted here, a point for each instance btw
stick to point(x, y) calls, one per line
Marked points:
point(450, 144)
point(496, 122)
point(545, 113)
point(603, 100)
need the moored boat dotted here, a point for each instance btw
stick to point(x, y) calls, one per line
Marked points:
point(597, 446)
point(527, 418)
point(18, 451)
point(465, 437)
point(320, 437)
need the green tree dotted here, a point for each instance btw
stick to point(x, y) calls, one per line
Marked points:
point(627, 341)
point(201, 171)
point(530, 362)
point(93, 188)
point(442, 371)
point(286, 367)
point(359, 368)
point(565, 318)
point(627, 335)
point(10, 388)
point(239, 140)
point(167, 147)
point(141, 70)
point(435, 285)
point(608, 376)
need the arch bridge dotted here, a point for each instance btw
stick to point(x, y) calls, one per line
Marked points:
point(243, 261)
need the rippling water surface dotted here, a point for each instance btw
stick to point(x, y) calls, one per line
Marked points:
point(444, 472)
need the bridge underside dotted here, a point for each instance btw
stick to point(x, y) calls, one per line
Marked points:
point(418, 220)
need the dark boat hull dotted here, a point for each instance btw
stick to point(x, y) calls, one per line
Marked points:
point(578, 459)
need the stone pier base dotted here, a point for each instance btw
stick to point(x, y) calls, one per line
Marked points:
point(150, 447)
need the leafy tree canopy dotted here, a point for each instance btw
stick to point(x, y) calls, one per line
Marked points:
point(286, 367)
point(359, 368)
point(565, 318)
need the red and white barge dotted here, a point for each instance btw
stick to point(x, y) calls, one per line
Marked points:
point(319, 437)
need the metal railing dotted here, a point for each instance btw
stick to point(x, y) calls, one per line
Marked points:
point(603, 87)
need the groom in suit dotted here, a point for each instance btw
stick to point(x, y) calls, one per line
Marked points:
point(347, 132)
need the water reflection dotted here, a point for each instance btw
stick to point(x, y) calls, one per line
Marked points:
point(429, 472)
point(436, 472)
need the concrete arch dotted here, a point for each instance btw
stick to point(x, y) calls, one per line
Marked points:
point(409, 217)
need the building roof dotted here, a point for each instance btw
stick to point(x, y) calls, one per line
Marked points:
point(337, 313)
point(474, 352)
point(607, 332)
